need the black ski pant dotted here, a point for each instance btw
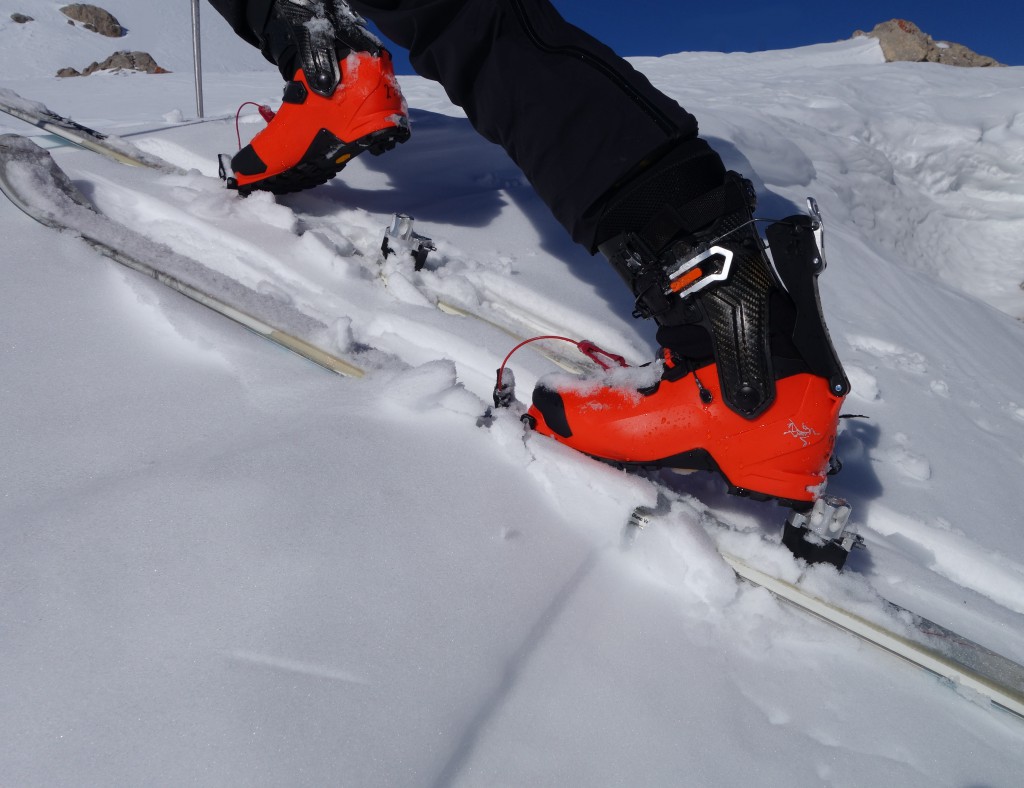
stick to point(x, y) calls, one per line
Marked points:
point(574, 116)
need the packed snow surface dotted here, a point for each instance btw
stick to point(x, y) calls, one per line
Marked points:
point(223, 565)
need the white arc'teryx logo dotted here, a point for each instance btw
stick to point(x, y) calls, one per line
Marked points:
point(801, 432)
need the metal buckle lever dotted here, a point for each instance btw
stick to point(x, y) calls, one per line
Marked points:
point(690, 278)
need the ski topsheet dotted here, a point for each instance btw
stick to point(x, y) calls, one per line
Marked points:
point(924, 643)
point(32, 180)
point(65, 128)
point(953, 658)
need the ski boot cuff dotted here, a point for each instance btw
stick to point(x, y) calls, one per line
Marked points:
point(716, 277)
point(678, 193)
point(720, 280)
point(665, 261)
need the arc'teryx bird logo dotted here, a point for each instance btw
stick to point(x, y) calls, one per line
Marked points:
point(802, 432)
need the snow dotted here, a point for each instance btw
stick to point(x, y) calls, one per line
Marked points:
point(223, 565)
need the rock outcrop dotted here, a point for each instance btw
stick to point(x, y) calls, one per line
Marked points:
point(94, 18)
point(904, 41)
point(119, 61)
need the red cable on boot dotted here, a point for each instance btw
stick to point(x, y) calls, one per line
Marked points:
point(266, 112)
point(585, 346)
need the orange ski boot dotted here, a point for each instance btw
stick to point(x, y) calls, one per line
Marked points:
point(684, 422)
point(342, 99)
point(750, 386)
point(312, 138)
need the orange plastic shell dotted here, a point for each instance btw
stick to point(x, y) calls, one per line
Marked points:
point(784, 453)
point(367, 100)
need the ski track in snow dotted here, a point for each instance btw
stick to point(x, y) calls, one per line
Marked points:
point(296, 666)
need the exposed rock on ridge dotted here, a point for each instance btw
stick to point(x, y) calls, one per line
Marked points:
point(904, 41)
point(119, 61)
point(94, 18)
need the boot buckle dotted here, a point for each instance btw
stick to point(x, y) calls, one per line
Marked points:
point(700, 271)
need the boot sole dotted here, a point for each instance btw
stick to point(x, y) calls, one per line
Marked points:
point(326, 157)
point(701, 460)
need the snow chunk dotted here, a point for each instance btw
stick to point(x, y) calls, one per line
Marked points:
point(889, 353)
point(940, 388)
point(628, 380)
point(863, 384)
point(678, 555)
point(428, 387)
point(911, 465)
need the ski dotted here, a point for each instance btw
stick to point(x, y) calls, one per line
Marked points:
point(956, 660)
point(34, 182)
point(42, 117)
point(515, 323)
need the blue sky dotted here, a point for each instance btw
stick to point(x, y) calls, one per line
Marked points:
point(658, 27)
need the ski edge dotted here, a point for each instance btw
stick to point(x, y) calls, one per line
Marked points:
point(286, 340)
point(97, 142)
point(82, 136)
point(280, 337)
point(1003, 697)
